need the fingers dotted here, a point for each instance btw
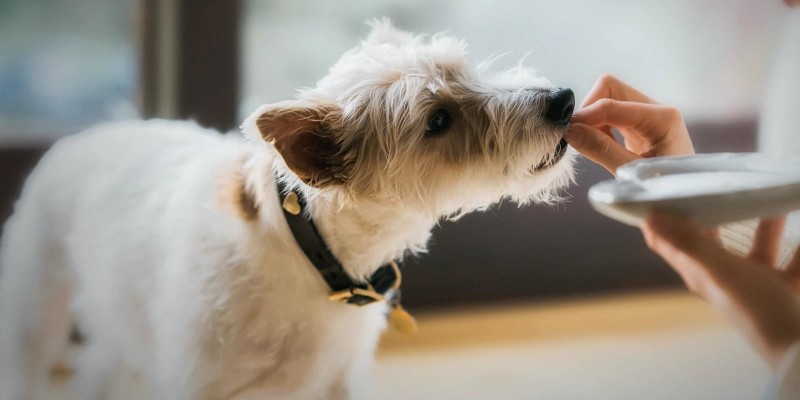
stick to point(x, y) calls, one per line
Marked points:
point(610, 87)
point(697, 258)
point(598, 147)
point(767, 241)
point(679, 234)
point(793, 268)
point(713, 233)
point(650, 121)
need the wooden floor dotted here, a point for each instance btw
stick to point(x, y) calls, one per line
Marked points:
point(667, 345)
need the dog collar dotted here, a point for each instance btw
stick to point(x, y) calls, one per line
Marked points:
point(344, 289)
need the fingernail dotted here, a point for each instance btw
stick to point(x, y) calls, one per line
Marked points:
point(574, 135)
point(576, 116)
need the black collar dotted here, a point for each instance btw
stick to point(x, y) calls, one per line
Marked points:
point(343, 288)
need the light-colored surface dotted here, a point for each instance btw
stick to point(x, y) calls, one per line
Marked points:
point(713, 189)
point(703, 183)
point(656, 346)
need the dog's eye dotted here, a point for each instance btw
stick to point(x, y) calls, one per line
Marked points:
point(438, 123)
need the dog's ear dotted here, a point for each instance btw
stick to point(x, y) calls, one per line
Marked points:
point(306, 137)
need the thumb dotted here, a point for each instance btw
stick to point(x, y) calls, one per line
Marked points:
point(598, 147)
point(703, 265)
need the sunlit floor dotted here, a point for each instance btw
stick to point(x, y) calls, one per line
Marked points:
point(655, 346)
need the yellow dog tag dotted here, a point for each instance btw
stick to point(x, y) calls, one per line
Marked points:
point(401, 320)
point(291, 203)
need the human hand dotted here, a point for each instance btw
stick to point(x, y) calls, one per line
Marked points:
point(649, 129)
point(760, 299)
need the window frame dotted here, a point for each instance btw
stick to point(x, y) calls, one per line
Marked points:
point(176, 50)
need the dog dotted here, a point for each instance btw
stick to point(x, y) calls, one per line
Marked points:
point(169, 247)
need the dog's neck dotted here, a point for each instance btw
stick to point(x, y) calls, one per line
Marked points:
point(367, 235)
point(363, 236)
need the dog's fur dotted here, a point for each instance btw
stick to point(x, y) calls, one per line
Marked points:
point(165, 243)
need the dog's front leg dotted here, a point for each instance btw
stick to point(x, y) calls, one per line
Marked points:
point(179, 364)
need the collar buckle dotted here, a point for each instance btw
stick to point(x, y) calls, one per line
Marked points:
point(356, 295)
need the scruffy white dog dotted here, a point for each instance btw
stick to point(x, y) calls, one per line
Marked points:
point(167, 245)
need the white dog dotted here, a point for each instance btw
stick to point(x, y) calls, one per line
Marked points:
point(168, 247)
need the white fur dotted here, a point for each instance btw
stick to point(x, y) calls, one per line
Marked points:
point(125, 229)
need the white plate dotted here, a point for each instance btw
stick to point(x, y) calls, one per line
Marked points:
point(712, 189)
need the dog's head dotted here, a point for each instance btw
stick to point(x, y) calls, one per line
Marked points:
point(404, 120)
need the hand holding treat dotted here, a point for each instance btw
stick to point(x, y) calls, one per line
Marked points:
point(649, 129)
point(758, 295)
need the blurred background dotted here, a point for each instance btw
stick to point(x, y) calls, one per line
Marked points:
point(541, 302)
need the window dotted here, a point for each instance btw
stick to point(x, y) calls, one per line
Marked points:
point(64, 64)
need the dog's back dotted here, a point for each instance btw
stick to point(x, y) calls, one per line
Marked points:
point(137, 237)
point(125, 183)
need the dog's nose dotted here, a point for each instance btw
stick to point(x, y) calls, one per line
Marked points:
point(560, 104)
